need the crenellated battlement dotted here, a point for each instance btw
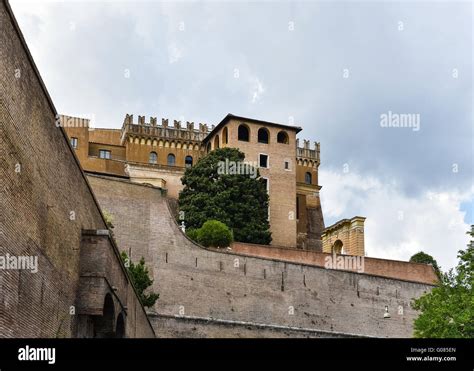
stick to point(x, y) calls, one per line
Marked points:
point(151, 128)
point(306, 152)
point(153, 122)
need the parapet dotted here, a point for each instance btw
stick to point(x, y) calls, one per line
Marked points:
point(151, 128)
point(306, 152)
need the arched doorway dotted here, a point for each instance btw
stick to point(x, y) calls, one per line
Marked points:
point(104, 325)
point(120, 328)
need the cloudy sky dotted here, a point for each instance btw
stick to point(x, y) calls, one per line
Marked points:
point(333, 68)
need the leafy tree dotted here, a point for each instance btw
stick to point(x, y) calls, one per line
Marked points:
point(424, 258)
point(448, 310)
point(240, 201)
point(214, 233)
point(141, 280)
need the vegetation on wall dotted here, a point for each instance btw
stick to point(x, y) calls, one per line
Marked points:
point(447, 311)
point(141, 280)
point(240, 201)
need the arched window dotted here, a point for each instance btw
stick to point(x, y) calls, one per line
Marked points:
point(308, 178)
point(282, 137)
point(216, 142)
point(263, 135)
point(244, 133)
point(337, 247)
point(171, 160)
point(188, 161)
point(225, 136)
point(153, 158)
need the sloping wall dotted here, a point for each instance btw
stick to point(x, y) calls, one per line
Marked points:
point(46, 203)
point(198, 283)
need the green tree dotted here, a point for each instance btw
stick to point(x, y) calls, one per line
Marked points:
point(240, 201)
point(424, 258)
point(141, 280)
point(214, 233)
point(448, 309)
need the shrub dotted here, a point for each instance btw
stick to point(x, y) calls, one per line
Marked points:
point(192, 234)
point(214, 233)
point(141, 280)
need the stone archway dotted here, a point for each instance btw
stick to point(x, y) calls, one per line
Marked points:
point(104, 325)
point(120, 327)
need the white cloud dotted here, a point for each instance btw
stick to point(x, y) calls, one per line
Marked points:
point(398, 226)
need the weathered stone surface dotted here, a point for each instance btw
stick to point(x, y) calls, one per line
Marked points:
point(46, 204)
point(196, 282)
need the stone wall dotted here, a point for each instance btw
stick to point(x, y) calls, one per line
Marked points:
point(415, 272)
point(196, 327)
point(46, 204)
point(224, 285)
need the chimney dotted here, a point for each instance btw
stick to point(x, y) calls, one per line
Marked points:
point(177, 124)
point(153, 121)
point(164, 123)
point(141, 120)
point(190, 126)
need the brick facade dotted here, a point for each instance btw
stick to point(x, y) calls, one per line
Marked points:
point(46, 205)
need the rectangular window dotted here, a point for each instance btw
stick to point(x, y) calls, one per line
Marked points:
point(74, 142)
point(263, 160)
point(287, 165)
point(297, 208)
point(103, 153)
point(265, 180)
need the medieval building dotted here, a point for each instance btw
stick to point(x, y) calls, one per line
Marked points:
point(60, 176)
point(145, 152)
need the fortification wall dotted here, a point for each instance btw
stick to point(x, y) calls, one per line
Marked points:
point(422, 273)
point(196, 282)
point(45, 204)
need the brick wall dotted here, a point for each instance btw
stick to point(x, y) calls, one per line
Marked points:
point(223, 285)
point(195, 327)
point(46, 202)
point(415, 272)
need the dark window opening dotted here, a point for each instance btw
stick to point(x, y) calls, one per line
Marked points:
point(188, 161)
point(263, 160)
point(263, 135)
point(282, 137)
point(244, 133)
